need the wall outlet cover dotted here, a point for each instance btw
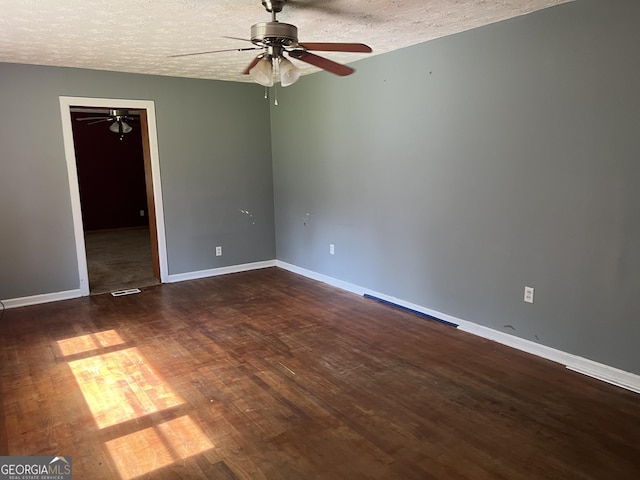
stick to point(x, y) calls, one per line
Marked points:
point(528, 294)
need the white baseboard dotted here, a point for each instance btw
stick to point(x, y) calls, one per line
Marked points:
point(213, 272)
point(349, 287)
point(611, 375)
point(44, 298)
point(614, 376)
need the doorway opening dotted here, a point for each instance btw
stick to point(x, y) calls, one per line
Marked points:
point(114, 179)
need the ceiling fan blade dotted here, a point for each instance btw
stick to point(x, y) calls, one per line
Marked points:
point(107, 119)
point(84, 119)
point(253, 64)
point(215, 51)
point(337, 47)
point(324, 63)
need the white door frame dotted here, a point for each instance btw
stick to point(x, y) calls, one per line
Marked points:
point(65, 111)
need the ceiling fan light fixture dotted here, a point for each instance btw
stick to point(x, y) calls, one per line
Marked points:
point(289, 73)
point(115, 128)
point(262, 73)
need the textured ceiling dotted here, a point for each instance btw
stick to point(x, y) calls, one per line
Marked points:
point(140, 35)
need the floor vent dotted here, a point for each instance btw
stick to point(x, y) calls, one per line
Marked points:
point(410, 310)
point(121, 293)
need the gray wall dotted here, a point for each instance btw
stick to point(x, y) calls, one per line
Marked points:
point(453, 173)
point(214, 146)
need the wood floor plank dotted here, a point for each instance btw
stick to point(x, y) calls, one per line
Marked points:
point(269, 375)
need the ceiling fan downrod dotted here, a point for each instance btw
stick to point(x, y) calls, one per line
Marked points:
point(274, 6)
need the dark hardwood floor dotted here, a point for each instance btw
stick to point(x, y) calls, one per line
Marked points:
point(268, 375)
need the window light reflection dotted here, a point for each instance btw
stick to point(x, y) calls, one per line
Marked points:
point(155, 447)
point(121, 386)
point(93, 341)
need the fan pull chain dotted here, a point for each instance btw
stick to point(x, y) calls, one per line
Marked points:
point(276, 76)
point(275, 94)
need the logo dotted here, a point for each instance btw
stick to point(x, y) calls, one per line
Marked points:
point(35, 468)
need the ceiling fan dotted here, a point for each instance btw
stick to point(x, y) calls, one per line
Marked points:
point(275, 39)
point(117, 118)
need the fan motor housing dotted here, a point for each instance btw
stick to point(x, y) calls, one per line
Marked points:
point(274, 33)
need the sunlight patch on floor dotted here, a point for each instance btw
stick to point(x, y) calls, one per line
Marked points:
point(92, 341)
point(121, 386)
point(155, 447)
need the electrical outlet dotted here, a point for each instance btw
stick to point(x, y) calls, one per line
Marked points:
point(142, 213)
point(528, 294)
point(332, 249)
point(218, 251)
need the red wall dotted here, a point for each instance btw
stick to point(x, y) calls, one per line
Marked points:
point(111, 175)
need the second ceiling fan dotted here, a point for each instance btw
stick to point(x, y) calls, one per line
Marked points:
point(275, 39)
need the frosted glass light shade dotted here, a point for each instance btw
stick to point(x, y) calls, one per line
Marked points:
point(289, 73)
point(262, 73)
point(126, 128)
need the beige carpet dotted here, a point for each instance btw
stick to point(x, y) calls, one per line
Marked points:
point(118, 260)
